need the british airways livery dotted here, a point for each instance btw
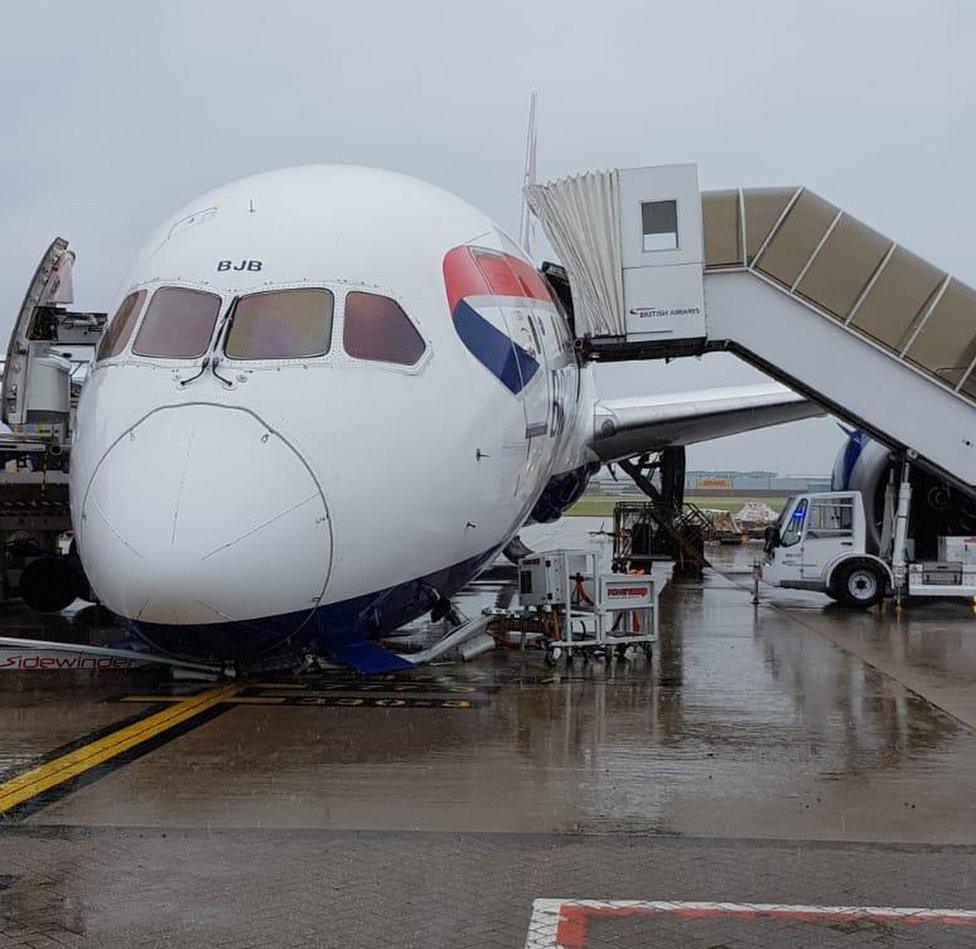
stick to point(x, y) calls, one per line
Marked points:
point(327, 398)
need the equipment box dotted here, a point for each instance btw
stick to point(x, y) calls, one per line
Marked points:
point(549, 577)
point(942, 574)
point(620, 591)
point(961, 549)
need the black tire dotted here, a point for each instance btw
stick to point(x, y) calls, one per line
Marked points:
point(860, 584)
point(48, 584)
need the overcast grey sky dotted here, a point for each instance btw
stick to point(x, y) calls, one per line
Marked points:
point(116, 113)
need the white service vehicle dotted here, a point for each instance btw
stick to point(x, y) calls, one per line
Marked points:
point(821, 543)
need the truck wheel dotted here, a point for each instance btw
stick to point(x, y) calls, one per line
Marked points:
point(860, 584)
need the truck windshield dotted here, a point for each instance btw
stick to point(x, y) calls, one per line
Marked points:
point(791, 532)
point(178, 323)
point(281, 324)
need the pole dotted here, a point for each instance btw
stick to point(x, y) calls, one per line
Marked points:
point(898, 553)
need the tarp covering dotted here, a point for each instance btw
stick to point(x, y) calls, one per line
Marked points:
point(580, 218)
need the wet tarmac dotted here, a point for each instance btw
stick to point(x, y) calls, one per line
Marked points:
point(789, 752)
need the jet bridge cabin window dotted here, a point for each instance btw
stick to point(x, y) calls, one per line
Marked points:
point(376, 328)
point(118, 331)
point(659, 223)
point(178, 324)
point(281, 324)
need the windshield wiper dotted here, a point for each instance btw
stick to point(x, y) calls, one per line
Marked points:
point(196, 375)
point(212, 359)
point(218, 342)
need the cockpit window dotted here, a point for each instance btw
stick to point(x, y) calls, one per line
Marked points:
point(281, 324)
point(178, 323)
point(376, 328)
point(118, 331)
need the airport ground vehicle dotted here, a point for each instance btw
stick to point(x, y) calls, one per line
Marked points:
point(666, 271)
point(820, 543)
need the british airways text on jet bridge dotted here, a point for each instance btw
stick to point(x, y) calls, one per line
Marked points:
point(636, 266)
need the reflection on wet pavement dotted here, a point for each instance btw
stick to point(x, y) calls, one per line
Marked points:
point(750, 723)
point(783, 753)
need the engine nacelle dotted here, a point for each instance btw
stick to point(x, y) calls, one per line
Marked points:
point(562, 491)
point(938, 509)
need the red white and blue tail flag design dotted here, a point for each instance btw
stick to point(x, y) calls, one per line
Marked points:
point(480, 284)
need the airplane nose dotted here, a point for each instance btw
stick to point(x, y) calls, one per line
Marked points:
point(203, 514)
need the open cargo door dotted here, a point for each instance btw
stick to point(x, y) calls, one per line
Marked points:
point(36, 378)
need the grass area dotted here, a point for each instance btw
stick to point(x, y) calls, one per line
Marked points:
point(601, 505)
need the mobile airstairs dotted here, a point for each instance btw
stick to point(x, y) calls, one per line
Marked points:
point(788, 282)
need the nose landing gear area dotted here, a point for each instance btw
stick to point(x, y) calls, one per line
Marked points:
point(761, 781)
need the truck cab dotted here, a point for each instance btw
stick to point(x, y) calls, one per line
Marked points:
point(819, 543)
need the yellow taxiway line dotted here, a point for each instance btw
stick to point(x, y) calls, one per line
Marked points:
point(37, 780)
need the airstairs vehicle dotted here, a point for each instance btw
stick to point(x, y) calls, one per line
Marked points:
point(820, 543)
point(808, 294)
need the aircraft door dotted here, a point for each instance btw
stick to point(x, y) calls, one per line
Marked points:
point(512, 300)
point(528, 334)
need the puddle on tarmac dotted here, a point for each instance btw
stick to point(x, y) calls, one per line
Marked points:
point(749, 723)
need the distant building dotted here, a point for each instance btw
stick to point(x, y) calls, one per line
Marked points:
point(743, 483)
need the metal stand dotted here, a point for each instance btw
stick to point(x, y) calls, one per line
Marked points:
point(588, 612)
point(898, 555)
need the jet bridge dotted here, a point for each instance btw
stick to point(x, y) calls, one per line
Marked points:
point(787, 281)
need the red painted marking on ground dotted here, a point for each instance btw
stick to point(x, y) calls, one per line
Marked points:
point(572, 921)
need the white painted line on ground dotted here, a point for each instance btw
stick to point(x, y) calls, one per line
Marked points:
point(562, 924)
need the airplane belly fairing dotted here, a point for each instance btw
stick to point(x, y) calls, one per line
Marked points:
point(335, 628)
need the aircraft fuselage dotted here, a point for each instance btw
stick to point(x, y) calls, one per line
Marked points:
point(329, 397)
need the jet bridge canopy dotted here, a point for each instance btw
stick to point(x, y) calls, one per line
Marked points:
point(787, 280)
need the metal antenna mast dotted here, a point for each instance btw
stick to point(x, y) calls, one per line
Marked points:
point(526, 222)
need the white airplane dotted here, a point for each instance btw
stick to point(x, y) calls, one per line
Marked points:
point(329, 396)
